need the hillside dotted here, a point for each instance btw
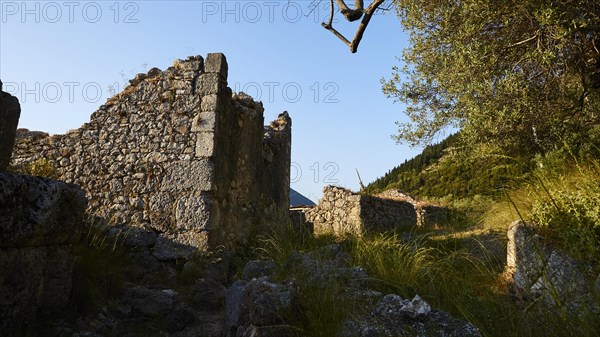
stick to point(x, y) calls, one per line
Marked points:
point(446, 169)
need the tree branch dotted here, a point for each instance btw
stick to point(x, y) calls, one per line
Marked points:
point(331, 12)
point(330, 28)
point(368, 13)
point(351, 14)
point(364, 23)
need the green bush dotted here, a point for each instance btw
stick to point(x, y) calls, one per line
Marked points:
point(41, 167)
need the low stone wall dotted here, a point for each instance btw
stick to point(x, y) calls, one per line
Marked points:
point(539, 270)
point(178, 154)
point(40, 222)
point(341, 212)
point(428, 215)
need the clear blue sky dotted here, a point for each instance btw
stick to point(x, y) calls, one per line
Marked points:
point(62, 58)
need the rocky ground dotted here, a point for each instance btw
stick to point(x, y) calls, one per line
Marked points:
point(209, 298)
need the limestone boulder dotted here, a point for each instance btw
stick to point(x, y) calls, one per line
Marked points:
point(41, 220)
point(39, 212)
point(541, 270)
point(395, 316)
point(254, 308)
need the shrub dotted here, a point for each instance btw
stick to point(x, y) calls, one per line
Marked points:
point(41, 167)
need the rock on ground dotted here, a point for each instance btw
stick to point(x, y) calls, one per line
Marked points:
point(41, 221)
point(394, 316)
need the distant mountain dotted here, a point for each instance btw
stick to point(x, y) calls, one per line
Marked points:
point(297, 199)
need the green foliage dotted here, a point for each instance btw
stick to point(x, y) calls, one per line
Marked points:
point(451, 170)
point(278, 243)
point(568, 210)
point(516, 74)
point(321, 309)
point(402, 174)
point(401, 267)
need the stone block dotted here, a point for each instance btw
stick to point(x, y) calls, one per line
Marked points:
point(205, 144)
point(192, 63)
point(216, 63)
point(40, 221)
point(20, 282)
point(188, 175)
point(208, 84)
point(58, 279)
point(192, 213)
point(210, 103)
point(205, 121)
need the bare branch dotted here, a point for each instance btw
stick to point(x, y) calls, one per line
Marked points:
point(523, 42)
point(331, 11)
point(351, 14)
point(368, 13)
point(363, 24)
point(330, 28)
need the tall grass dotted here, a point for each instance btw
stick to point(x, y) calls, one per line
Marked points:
point(446, 275)
point(99, 270)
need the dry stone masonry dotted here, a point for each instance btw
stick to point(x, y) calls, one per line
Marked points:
point(340, 211)
point(176, 152)
point(428, 215)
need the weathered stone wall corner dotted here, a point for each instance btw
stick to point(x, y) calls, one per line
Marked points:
point(177, 153)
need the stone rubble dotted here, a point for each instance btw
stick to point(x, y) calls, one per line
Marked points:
point(259, 306)
point(394, 316)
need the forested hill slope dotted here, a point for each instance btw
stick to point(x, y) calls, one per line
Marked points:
point(398, 176)
point(442, 170)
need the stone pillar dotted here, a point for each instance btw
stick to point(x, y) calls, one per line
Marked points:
point(10, 111)
point(280, 137)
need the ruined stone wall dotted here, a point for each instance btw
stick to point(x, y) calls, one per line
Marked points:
point(342, 212)
point(177, 153)
point(428, 215)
